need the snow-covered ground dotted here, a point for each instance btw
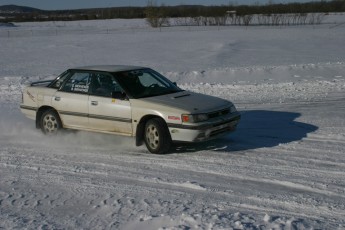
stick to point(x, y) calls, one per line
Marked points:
point(284, 167)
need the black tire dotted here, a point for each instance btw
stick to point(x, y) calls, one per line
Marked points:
point(156, 136)
point(50, 122)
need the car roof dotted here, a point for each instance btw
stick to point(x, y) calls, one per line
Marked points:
point(109, 68)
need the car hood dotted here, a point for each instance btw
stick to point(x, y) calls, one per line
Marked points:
point(189, 101)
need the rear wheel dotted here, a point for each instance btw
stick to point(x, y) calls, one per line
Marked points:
point(50, 122)
point(157, 137)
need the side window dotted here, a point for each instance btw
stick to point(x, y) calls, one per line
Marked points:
point(103, 85)
point(79, 82)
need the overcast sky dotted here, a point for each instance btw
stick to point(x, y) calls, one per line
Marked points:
point(78, 4)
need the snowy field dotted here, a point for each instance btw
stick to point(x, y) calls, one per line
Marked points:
point(284, 167)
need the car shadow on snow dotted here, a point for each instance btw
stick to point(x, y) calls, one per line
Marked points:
point(257, 129)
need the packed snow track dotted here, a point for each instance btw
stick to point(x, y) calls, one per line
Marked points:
point(283, 168)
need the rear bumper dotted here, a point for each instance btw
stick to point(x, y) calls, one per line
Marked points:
point(205, 131)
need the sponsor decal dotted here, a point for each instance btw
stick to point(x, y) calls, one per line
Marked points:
point(175, 118)
point(30, 95)
point(80, 88)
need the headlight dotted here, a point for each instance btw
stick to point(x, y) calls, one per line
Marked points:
point(194, 118)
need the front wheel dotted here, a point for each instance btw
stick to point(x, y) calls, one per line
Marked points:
point(50, 122)
point(157, 137)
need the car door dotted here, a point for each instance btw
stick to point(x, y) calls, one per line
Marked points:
point(107, 113)
point(71, 100)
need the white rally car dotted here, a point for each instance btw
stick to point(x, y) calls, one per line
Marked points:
point(127, 100)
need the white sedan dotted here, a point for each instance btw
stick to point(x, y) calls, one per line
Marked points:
point(127, 100)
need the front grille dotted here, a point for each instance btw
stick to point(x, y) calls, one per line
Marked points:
point(219, 113)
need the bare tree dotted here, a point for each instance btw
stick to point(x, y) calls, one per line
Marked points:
point(155, 15)
point(246, 19)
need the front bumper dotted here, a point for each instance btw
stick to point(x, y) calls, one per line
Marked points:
point(205, 131)
point(28, 111)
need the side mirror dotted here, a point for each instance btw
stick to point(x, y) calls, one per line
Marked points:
point(174, 83)
point(119, 95)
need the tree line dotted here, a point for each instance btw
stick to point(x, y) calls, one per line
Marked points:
point(271, 14)
point(201, 15)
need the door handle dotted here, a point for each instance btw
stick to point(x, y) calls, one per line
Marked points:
point(57, 98)
point(94, 102)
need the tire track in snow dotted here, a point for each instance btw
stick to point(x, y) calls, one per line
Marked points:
point(108, 183)
point(179, 186)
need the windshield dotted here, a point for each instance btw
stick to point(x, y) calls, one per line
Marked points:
point(145, 83)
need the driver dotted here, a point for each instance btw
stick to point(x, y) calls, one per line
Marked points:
point(133, 83)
